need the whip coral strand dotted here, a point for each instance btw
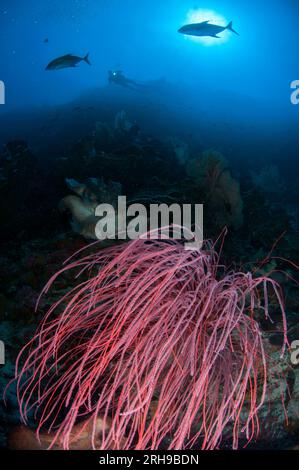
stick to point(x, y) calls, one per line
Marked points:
point(156, 343)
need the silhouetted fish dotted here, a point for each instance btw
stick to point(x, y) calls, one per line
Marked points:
point(206, 29)
point(67, 61)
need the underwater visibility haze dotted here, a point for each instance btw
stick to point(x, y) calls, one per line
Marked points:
point(163, 102)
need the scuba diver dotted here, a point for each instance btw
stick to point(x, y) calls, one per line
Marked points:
point(118, 78)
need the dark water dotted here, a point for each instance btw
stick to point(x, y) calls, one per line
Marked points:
point(182, 97)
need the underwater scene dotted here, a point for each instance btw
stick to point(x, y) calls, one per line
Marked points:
point(149, 204)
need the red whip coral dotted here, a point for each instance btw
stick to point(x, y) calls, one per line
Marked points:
point(154, 341)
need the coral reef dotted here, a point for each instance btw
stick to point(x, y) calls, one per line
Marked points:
point(82, 206)
point(23, 438)
point(121, 152)
point(21, 186)
point(181, 150)
point(218, 190)
point(159, 341)
point(268, 180)
point(31, 189)
point(36, 238)
point(17, 162)
point(124, 127)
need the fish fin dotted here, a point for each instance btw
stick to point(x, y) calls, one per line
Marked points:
point(215, 36)
point(230, 27)
point(86, 58)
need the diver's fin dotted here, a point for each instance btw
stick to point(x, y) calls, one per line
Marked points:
point(230, 27)
point(86, 58)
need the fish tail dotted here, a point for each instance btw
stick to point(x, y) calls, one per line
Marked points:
point(86, 59)
point(230, 27)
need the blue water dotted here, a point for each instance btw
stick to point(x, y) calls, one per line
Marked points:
point(229, 95)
